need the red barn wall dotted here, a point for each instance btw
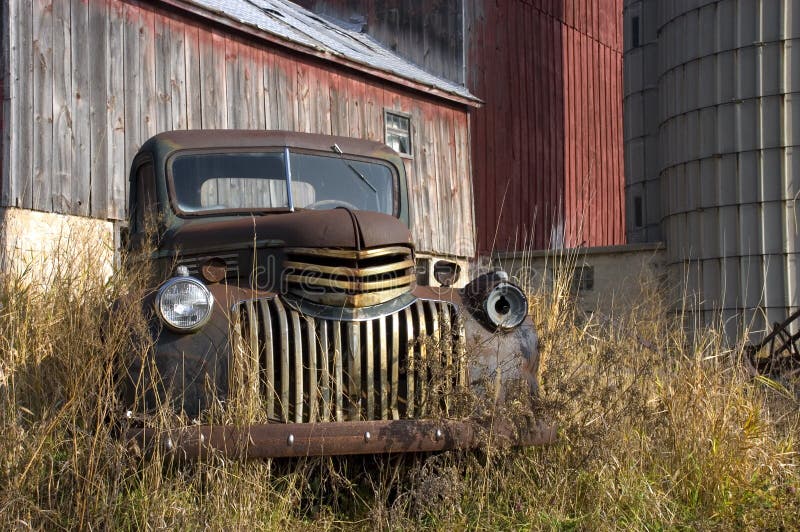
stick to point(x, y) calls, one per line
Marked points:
point(547, 145)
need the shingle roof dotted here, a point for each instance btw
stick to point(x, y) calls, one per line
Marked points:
point(289, 21)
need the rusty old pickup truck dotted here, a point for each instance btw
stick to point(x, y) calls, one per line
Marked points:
point(289, 296)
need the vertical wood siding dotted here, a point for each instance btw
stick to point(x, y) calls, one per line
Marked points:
point(547, 145)
point(91, 80)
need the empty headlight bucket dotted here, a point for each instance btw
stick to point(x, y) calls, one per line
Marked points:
point(506, 306)
point(184, 304)
point(496, 302)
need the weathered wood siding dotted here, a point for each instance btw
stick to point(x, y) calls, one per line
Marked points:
point(90, 80)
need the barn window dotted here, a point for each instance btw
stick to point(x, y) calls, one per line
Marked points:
point(398, 132)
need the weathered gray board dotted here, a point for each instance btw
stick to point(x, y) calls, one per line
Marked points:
point(87, 81)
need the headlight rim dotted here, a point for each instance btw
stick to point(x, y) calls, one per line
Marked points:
point(505, 286)
point(186, 279)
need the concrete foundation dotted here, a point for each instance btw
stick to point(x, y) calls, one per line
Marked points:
point(606, 280)
point(41, 246)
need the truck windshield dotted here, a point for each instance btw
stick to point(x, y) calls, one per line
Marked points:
point(207, 183)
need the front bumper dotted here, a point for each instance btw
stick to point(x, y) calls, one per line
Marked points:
point(292, 440)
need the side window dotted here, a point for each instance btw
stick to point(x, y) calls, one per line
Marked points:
point(146, 196)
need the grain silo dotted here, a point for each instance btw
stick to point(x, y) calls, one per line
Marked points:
point(726, 75)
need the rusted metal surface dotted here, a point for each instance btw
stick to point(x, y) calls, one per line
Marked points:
point(778, 352)
point(292, 440)
point(547, 145)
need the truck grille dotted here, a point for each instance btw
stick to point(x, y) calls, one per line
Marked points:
point(302, 369)
point(349, 277)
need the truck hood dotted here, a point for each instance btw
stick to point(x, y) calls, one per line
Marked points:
point(335, 228)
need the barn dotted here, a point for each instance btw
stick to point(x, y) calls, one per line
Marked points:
point(86, 82)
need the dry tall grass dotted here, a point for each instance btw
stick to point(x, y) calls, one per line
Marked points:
point(656, 432)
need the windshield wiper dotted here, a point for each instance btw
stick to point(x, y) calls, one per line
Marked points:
point(338, 150)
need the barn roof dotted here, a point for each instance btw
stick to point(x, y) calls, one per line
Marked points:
point(323, 37)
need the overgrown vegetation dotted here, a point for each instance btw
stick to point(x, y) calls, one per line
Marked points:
point(656, 431)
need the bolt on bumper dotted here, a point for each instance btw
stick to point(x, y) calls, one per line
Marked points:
point(291, 440)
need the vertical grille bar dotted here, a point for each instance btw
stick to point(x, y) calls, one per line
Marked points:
point(313, 393)
point(250, 366)
point(422, 374)
point(369, 372)
point(435, 361)
point(298, 367)
point(268, 365)
point(354, 369)
point(283, 339)
point(395, 364)
point(338, 371)
point(325, 376)
point(446, 347)
point(383, 367)
point(410, 362)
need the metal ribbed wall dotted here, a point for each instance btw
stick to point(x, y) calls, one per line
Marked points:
point(729, 74)
point(641, 122)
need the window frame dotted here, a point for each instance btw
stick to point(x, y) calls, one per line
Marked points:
point(387, 129)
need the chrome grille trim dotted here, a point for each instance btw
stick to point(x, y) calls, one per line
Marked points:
point(193, 264)
point(355, 278)
point(305, 369)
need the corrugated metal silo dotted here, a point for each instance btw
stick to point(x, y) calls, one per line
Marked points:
point(641, 122)
point(728, 73)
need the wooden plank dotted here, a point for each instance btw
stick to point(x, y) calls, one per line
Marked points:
point(175, 36)
point(98, 102)
point(305, 110)
point(63, 136)
point(42, 104)
point(233, 91)
point(80, 108)
point(131, 84)
point(22, 175)
point(255, 76)
point(338, 105)
point(270, 93)
point(322, 101)
point(162, 74)
point(8, 90)
point(194, 87)
point(283, 103)
point(373, 114)
point(116, 175)
point(463, 160)
point(148, 95)
point(355, 112)
point(212, 114)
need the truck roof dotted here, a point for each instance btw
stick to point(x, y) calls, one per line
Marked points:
point(170, 141)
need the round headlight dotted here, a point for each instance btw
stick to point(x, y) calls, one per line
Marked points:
point(506, 306)
point(184, 304)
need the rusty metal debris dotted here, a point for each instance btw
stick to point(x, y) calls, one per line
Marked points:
point(292, 440)
point(777, 353)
